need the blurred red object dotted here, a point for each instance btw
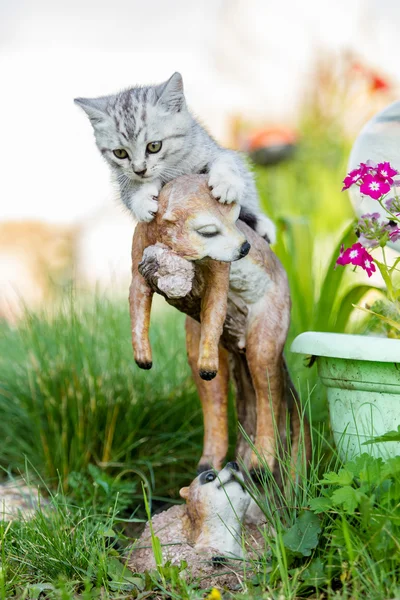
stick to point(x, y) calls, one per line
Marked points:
point(376, 81)
point(270, 145)
point(270, 136)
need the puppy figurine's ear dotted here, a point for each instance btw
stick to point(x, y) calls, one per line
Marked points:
point(170, 217)
point(184, 493)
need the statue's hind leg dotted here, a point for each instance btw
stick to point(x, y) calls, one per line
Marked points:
point(246, 407)
point(214, 399)
point(265, 340)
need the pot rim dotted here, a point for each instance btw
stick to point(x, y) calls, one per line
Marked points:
point(344, 345)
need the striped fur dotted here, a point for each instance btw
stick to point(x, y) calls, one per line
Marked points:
point(133, 118)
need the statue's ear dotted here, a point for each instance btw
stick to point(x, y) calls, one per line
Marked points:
point(170, 93)
point(233, 210)
point(170, 217)
point(184, 493)
point(95, 108)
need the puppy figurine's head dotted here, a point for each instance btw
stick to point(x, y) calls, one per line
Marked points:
point(195, 225)
point(216, 505)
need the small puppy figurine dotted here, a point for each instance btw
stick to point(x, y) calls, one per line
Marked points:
point(224, 276)
point(216, 513)
point(210, 522)
point(206, 532)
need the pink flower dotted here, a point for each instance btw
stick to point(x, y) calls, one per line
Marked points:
point(368, 168)
point(371, 178)
point(351, 178)
point(394, 235)
point(393, 230)
point(393, 205)
point(386, 172)
point(369, 265)
point(389, 203)
point(351, 255)
point(370, 231)
point(374, 187)
point(374, 216)
point(357, 256)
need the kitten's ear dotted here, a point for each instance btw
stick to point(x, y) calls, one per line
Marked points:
point(170, 93)
point(95, 108)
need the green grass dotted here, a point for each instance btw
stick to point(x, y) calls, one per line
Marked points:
point(91, 428)
point(75, 549)
point(333, 536)
point(73, 395)
point(63, 549)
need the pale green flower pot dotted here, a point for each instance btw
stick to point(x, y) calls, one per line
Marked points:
point(362, 377)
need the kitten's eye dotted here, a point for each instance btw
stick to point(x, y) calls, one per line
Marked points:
point(210, 477)
point(154, 147)
point(120, 153)
point(208, 231)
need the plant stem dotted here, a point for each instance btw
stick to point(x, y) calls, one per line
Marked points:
point(395, 218)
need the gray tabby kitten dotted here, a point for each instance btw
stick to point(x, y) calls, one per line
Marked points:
point(148, 137)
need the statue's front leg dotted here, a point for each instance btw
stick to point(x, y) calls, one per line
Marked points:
point(214, 401)
point(212, 316)
point(140, 299)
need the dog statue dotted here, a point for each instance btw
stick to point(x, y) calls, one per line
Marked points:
point(207, 532)
point(224, 276)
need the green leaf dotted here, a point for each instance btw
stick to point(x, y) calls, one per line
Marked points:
point(137, 582)
point(104, 485)
point(386, 320)
point(385, 276)
point(332, 281)
point(364, 463)
point(390, 436)
point(108, 532)
point(347, 497)
point(314, 575)
point(321, 504)
point(389, 493)
point(303, 536)
point(38, 590)
point(294, 252)
point(115, 569)
point(121, 577)
point(155, 541)
point(343, 477)
point(391, 468)
point(342, 311)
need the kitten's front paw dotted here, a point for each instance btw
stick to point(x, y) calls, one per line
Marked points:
point(266, 228)
point(144, 203)
point(226, 186)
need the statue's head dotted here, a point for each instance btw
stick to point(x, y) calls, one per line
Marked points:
point(216, 502)
point(195, 225)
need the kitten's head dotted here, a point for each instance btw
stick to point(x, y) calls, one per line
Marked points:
point(142, 132)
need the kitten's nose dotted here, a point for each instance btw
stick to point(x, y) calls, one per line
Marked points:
point(140, 173)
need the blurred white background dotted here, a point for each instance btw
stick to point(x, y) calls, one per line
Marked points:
point(249, 57)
